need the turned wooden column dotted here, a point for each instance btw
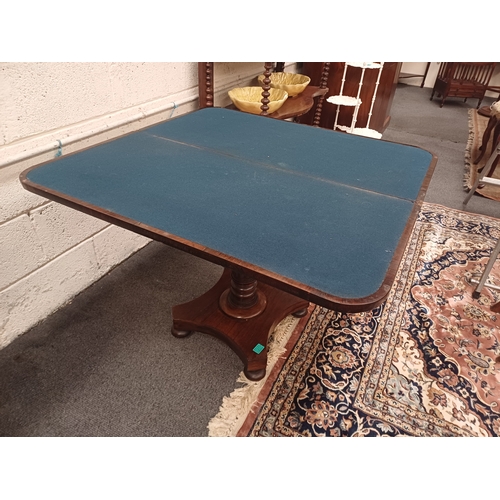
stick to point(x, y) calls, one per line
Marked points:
point(266, 86)
point(240, 312)
point(205, 84)
point(242, 299)
point(322, 85)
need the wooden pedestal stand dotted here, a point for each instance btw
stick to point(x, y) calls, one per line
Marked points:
point(242, 312)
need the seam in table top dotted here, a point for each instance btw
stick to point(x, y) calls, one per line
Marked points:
point(279, 169)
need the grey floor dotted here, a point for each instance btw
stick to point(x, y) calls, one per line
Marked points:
point(106, 364)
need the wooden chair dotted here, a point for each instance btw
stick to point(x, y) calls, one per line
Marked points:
point(483, 280)
point(463, 79)
point(486, 178)
point(292, 108)
point(493, 126)
point(486, 175)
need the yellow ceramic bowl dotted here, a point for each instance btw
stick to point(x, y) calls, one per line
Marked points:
point(249, 99)
point(292, 83)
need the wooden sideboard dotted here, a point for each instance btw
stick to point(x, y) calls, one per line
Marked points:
point(385, 93)
point(293, 107)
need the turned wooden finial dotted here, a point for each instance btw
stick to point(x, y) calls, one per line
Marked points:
point(266, 85)
point(205, 84)
point(209, 72)
point(322, 85)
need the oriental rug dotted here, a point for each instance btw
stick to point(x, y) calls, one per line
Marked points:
point(424, 363)
point(477, 126)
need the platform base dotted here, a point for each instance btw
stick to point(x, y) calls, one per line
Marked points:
point(247, 337)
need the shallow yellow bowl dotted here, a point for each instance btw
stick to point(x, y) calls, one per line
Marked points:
point(249, 99)
point(292, 83)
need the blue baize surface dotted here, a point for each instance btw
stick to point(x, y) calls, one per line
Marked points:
point(323, 208)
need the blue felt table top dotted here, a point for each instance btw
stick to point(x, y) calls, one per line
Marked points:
point(322, 208)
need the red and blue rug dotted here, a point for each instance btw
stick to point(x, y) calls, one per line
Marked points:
point(424, 363)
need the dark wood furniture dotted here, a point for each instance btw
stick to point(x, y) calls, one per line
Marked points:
point(486, 172)
point(293, 213)
point(292, 108)
point(463, 79)
point(492, 127)
point(385, 93)
point(485, 110)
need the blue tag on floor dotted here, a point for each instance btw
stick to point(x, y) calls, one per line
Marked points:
point(258, 348)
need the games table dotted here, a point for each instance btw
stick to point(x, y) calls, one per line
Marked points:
point(293, 213)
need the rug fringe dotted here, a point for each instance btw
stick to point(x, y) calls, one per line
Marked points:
point(238, 404)
point(468, 153)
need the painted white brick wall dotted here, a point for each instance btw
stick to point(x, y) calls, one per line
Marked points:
point(20, 250)
point(108, 252)
point(32, 298)
point(50, 253)
point(59, 228)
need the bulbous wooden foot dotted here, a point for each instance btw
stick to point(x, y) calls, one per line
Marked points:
point(300, 314)
point(180, 334)
point(255, 375)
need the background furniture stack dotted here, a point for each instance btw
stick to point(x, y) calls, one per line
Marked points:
point(463, 79)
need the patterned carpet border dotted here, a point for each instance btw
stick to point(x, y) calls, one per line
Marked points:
point(246, 397)
point(422, 364)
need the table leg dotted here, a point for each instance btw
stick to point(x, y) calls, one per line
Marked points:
point(242, 312)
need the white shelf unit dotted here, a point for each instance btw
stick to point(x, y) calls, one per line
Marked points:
point(355, 102)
